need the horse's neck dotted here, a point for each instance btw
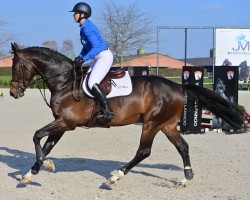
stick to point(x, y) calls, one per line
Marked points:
point(56, 76)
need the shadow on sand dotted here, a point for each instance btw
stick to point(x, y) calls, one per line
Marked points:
point(22, 161)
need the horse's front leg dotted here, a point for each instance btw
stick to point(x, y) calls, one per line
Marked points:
point(55, 130)
point(48, 146)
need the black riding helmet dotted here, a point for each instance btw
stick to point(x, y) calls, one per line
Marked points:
point(82, 8)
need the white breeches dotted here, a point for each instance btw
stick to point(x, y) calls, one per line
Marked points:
point(100, 67)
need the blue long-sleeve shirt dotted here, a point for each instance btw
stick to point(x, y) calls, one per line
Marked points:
point(92, 41)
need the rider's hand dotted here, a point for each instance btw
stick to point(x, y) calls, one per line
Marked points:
point(78, 61)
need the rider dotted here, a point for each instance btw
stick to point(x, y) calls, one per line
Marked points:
point(227, 63)
point(94, 47)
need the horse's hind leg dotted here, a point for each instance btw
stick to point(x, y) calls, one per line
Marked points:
point(182, 147)
point(143, 152)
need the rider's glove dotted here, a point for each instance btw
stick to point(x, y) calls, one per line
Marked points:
point(78, 61)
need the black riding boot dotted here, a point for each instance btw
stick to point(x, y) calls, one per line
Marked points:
point(100, 96)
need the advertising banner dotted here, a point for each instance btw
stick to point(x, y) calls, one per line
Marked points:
point(233, 49)
point(141, 71)
point(191, 115)
point(226, 84)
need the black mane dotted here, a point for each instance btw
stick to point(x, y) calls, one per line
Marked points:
point(50, 53)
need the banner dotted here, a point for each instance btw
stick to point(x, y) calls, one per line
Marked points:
point(233, 49)
point(141, 71)
point(226, 84)
point(191, 115)
point(232, 46)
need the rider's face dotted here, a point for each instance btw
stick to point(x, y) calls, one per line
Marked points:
point(76, 16)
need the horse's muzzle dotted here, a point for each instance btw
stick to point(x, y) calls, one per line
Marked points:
point(16, 93)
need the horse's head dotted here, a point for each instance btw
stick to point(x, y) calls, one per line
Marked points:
point(244, 73)
point(220, 85)
point(22, 73)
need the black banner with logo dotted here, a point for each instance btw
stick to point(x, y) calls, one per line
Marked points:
point(226, 84)
point(192, 111)
point(141, 71)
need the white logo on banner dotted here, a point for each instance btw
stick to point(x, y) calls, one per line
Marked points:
point(197, 75)
point(230, 75)
point(186, 75)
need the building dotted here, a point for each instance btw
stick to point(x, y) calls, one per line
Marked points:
point(152, 60)
point(6, 62)
point(206, 62)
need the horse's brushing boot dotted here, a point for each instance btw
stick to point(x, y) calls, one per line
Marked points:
point(100, 96)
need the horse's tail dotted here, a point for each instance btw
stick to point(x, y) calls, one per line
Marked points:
point(219, 106)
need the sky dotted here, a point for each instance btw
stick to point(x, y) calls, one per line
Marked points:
point(33, 22)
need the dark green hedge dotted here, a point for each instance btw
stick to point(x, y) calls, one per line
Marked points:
point(5, 71)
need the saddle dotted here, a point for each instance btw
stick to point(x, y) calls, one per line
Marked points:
point(106, 86)
point(107, 81)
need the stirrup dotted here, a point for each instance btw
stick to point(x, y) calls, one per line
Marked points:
point(105, 116)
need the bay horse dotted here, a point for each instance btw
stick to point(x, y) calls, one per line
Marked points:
point(155, 102)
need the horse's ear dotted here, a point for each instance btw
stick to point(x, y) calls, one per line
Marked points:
point(14, 47)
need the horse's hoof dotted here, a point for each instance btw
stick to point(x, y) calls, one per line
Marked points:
point(182, 183)
point(188, 173)
point(49, 164)
point(110, 184)
point(25, 180)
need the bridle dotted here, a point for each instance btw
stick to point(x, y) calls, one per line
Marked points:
point(22, 86)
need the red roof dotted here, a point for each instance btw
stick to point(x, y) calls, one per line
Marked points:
point(140, 60)
point(6, 62)
point(151, 60)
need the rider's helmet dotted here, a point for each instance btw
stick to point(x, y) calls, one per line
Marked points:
point(82, 8)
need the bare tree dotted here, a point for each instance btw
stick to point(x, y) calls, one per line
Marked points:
point(5, 38)
point(125, 28)
point(50, 44)
point(68, 48)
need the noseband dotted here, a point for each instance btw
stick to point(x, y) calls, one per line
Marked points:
point(20, 85)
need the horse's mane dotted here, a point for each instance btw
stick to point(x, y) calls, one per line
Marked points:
point(50, 53)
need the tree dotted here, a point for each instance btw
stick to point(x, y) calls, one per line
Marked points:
point(5, 38)
point(68, 49)
point(125, 28)
point(50, 44)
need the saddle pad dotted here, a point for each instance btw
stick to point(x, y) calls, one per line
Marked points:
point(119, 87)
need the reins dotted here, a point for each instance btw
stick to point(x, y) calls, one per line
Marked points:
point(44, 95)
point(75, 92)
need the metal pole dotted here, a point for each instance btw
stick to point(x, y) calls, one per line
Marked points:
point(185, 47)
point(157, 57)
point(213, 51)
